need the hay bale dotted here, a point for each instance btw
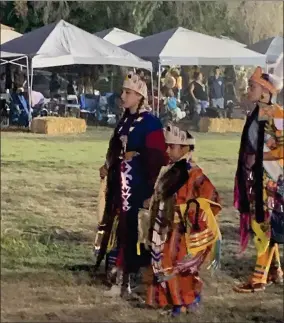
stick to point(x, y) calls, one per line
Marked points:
point(211, 125)
point(221, 125)
point(236, 125)
point(57, 125)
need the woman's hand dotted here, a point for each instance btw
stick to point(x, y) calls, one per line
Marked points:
point(103, 171)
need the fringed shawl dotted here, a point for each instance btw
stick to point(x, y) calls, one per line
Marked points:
point(242, 201)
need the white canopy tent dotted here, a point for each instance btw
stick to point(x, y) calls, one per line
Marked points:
point(17, 59)
point(180, 46)
point(7, 34)
point(117, 36)
point(271, 47)
point(8, 55)
point(232, 41)
point(62, 43)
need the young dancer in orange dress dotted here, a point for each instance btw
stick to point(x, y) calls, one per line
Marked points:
point(185, 231)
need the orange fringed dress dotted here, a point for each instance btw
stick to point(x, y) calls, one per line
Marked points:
point(182, 289)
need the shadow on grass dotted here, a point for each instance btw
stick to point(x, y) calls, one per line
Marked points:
point(58, 275)
point(234, 265)
point(47, 236)
point(118, 311)
point(230, 232)
point(62, 235)
point(92, 134)
point(41, 165)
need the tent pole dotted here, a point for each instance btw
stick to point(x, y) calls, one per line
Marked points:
point(111, 80)
point(152, 84)
point(159, 89)
point(29, 92)
point(32, 75)
point(28, 81)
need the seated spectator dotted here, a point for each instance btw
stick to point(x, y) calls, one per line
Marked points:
point(20, 111)
point(171, 103)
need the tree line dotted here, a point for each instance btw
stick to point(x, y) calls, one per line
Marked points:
point(244, 21)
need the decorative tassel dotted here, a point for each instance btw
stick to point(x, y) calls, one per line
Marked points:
point(215, 256)
point(112, 238)
point(138, 249)
point(236, 195)
point(244, 231)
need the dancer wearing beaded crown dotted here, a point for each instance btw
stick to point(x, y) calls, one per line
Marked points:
point(259, 195)
point(185, 230)
point(136, 153)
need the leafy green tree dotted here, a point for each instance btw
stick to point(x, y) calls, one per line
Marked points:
point(259, 19)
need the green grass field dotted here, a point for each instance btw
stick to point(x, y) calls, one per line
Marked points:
point(48, 204)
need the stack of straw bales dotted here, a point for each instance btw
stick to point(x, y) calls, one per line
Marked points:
point(57, 125)
point(221, 125)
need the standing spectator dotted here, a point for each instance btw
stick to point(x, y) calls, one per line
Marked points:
point(19, 79)
point(198, 94)
point(193, 70)
point(230, 79)
point(71, 87)
point(241, 84)
point(2, 83)
point(216, 89)
point(9, 81)
point(54, 85)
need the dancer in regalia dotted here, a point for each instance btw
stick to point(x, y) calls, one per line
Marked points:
point(136, 153)
point(185, 230)
point(259, 180)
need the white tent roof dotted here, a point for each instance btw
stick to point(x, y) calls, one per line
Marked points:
point(117, 36)
point(271, 47)
point(8, 34)
point(62, 43)
point(232, 41)
point(10, 55)
point(180, 46)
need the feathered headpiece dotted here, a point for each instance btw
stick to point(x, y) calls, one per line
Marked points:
point(135, 83)
point(277, 77)
point(272, 82)
point(175, 136)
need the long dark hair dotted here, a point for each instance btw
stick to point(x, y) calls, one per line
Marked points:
point(140, 105)
point(115, 142)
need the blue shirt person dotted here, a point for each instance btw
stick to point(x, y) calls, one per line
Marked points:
point(216, 89)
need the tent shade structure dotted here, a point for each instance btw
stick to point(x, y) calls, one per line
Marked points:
point(17, 59)
point(7, 34)
point(2, 26)
point(271, 47)
point(7, 55)
point(62, 43)
point(180, 46)
point(117, 36)
point(232, 41)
